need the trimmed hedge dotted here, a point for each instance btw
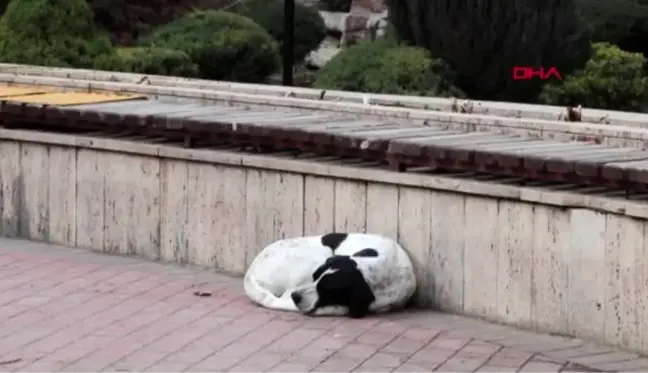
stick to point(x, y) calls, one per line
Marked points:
point(612, 79)
point(51, 33)
point(385, 67)
point(155, 61)
point(224, 45)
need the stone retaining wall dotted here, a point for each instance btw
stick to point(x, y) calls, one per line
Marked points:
point(549, 260)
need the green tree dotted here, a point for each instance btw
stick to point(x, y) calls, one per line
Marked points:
point(620, 22)
point(612, 79)
point(224, 45)
point(483, 40)
point(51, 33)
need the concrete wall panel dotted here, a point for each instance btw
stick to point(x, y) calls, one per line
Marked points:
point(62, 196)
point(34, 201)
point(481, 260)
point(10, 188)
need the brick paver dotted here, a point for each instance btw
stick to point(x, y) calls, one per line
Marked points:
point(72, 310)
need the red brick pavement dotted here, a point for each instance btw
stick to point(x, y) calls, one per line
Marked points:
point(71, 310)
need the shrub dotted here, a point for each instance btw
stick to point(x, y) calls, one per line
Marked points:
point(53, 33)
point(310, 29)
point(483, 40)
point(225, 46)
point(612, 79)
point(126, 19)
point(157, 61)
point(336, 5)
point(385, 67)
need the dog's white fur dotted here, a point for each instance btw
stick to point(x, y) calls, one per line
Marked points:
point(287, 265)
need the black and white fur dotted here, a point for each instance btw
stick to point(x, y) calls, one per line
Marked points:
point(333, 274)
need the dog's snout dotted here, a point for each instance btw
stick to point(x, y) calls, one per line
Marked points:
point(296, 297)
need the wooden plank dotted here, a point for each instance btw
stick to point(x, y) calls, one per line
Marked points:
point(187, 121)
point(634, 171)
point(540, 161)
point(108, 105)
point(465, 152)
point(487, 154)
point(340, 123)
point(451, 137)
point(377, 139)
point(459, 149)
point(413, 147)
point(293, 120)
point(594, 166)
point(73, 98)
point(133, 109)
point(205, 112)
point(6, 91)
point(515, 158)
point(363, 128)
point(588, 163)
point(392, 133)
point(252, 117)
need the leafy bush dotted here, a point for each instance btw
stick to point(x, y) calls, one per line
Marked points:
point(310, 29)
point(125, 20)
point(385, 67)
point(157, 61)
point(612, 79)
point(53, 33)
point(336, 5)
point(224, 45)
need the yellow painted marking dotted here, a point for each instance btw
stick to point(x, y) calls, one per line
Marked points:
point(74, 98)
point(19, 91)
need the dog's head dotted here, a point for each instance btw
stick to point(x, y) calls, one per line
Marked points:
point(337, 282)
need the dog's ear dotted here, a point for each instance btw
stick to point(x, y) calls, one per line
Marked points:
point(360, 297)
point(333, 262)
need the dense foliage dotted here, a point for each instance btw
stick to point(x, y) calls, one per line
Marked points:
point(157, 61)
point(620, 22)
point(385, 67)
point(224, 45)
point(611, 79)
point(126, 20)
point(483, 40)
point(433, 47)
point(53, 33)
point(309, 25)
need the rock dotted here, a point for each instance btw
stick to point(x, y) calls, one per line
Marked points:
point(328, 49)
point(372, 6)
point(359, 24)
point(334, 21)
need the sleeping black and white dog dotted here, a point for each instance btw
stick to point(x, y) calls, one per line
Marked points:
point(350, 274)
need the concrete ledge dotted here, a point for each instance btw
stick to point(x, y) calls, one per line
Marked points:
point(612, 135)
point(502, 109)
point(339, 170)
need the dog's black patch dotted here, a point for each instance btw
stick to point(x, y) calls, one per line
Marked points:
point(366, 253)
point(333, 240)
point(345, 287)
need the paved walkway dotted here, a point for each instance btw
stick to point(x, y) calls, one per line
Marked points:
point(71, 310)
